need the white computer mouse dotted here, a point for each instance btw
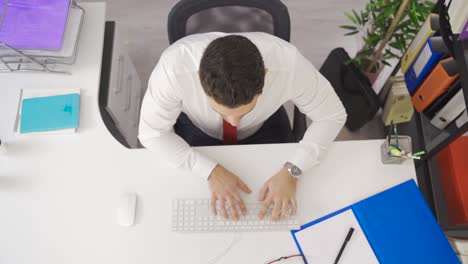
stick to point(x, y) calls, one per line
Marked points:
point(126, 209)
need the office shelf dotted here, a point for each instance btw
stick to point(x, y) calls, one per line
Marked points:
point(432, 139)
point(427, 170)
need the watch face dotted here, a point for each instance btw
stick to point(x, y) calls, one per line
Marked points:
point(295, 171)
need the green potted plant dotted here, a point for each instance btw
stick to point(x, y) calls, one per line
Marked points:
point(387, 28)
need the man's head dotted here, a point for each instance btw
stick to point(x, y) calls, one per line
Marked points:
point(232, 74)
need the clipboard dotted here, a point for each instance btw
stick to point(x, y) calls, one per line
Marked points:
point(395, 220)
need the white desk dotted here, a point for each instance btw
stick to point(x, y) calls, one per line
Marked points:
point(58, 194)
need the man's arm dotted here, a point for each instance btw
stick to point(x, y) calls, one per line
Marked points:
point(315, 97)
point(159, 111)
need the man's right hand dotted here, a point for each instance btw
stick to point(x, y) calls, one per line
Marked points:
point(225, 186)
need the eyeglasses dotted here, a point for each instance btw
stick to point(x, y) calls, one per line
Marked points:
point(286, 257)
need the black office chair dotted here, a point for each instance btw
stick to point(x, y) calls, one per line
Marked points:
point(200, 16)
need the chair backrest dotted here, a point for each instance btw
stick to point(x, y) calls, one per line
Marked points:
point(199, 16)
point(230, 16)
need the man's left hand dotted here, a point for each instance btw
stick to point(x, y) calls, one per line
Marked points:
point(280, 192)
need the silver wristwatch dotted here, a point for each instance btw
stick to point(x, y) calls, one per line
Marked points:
point(293, 170)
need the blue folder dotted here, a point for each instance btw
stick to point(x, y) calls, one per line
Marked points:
point(50, 113)
point(431, 53)
point(399, 227)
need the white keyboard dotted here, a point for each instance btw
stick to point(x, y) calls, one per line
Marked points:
point(194, 215)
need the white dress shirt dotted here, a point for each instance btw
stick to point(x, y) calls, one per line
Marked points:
point(174, 87)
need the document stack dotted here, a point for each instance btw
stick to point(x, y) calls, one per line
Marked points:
point(48, 111)
point(40, 35)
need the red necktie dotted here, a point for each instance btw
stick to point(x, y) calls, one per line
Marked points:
point(229, 133)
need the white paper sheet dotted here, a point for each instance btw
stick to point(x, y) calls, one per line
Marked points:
point(321, 242)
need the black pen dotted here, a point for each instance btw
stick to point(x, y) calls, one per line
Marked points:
point(390, 130)
point(348, 236)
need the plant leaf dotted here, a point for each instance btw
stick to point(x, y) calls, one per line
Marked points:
point(386, 63)
point(413, 31)
point(348, 27)
point(352, 33)
point(414, 19)
point(413, 8)
point(389, 51)
point(348, 62)
point(402, 43)
point(394, 45)
point(357, 17)
point(421, 10)
point(366, 52)
point(389, 11)
point(429, 4)
point(350, 17)
point(403, 25)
